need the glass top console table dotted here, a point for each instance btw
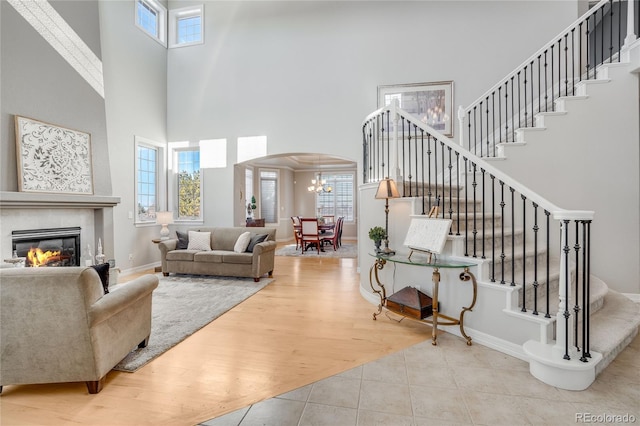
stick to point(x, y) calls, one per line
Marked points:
point(437, 318)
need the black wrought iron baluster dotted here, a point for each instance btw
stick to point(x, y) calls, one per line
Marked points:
point(566, 65)
point(435, 164)
point(513, 243)
point(519, 107)
point(469, 127)
point(388, 131)
point(506, 111)
point(442, 194)
point(429, 193)
point(513, 125)
point(580, 51)
point(576, 298)
point(573, 62)
point(619, 28)
point(487, 112)
point(466, 208)
point(483, 202)
point(546, 93)
point(500, 114)
point(610, 32)
point(475, 133)
point(526, 112)
point(450, 167)
point(493, 229)
point(493, 120)
point(502, 254)
point(415, 140)
point(422, 156)
point(539, 87)
point(404, 158)
point(566, 314)
point(409, 147)
point(588, 41)
point(474, 183)
point(601, 61)
point(524, 252)
point(587, 309)
point(458, 193)
point(548, 272)
point(535, 263)
point(595, 44)
point(531, 78)
point(559, 68)
point(481, 155)
point(553, 105)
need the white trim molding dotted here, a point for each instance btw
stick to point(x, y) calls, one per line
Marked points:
point(55, 30)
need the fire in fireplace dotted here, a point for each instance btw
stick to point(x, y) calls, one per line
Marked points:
point(48, 247)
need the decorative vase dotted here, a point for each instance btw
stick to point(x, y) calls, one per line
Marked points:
point(378, 243)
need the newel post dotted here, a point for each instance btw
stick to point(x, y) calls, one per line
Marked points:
point(631, 35)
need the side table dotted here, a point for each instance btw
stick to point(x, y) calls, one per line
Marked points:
point(435, 320)
point(157, 241)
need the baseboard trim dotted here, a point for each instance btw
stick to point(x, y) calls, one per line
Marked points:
point(138, 269)
point(635, 297)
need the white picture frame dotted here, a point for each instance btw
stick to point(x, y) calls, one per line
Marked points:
point(52, 159)
point(431, 103)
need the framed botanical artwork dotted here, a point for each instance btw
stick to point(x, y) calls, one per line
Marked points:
point(432, 103)
point(52, 158)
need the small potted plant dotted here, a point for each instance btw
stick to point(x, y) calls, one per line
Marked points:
point(377, 234)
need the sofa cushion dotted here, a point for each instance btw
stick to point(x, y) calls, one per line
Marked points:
point(256, 239)
point(183, 240)
point(242, 258)
point(199, 241)
point(242, 242)
point(213, 256)
point(181, 254)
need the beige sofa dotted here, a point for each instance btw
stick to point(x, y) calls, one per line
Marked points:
point(57, 325)
point(222, 259)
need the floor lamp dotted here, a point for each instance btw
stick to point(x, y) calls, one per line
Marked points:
point(387, 189)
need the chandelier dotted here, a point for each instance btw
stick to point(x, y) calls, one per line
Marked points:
point(319, 185)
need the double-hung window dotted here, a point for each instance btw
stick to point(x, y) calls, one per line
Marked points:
point(149, 187)
point(269, 196)
point(151, 17)
point(186, 26)
point(340, 201)
point(189, 184)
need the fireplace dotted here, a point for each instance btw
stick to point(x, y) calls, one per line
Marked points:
point(48, 247)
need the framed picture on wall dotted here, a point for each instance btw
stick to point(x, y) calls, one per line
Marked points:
point(432, 103)
point(52, 159)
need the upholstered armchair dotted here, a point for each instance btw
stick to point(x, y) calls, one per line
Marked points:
point(57, 325)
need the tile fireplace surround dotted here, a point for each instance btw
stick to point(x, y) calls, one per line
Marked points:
point(92, 213)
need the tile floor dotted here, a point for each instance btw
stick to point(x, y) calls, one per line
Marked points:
point(450, 384)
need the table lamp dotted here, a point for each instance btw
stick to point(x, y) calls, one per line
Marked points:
point(387, 189)
point(164, 219)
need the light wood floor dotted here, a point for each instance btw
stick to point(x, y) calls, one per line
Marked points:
point(310, 323)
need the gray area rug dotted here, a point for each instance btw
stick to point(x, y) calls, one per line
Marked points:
point(346, 250)
point(183, 304)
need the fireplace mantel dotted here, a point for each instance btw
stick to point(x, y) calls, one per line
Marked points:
point(50, 201)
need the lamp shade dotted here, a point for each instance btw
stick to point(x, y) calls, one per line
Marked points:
point(387, 189)
point(164, 218)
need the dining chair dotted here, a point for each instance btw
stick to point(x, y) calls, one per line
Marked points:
point(296, 230)
point(332, 237)
point(309, 233)
point(341, 220)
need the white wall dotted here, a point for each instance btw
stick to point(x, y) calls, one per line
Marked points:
point(135, 96)
point(305, 74)
point(589, 159)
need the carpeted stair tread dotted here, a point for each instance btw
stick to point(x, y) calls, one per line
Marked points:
point(613, 327)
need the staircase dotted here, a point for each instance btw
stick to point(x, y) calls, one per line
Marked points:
point(538, 299)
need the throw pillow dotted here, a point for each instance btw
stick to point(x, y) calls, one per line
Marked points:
point(199, 241)
point(242, 242)
point(103, 271)
point(256, 239)
point(183, 240)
